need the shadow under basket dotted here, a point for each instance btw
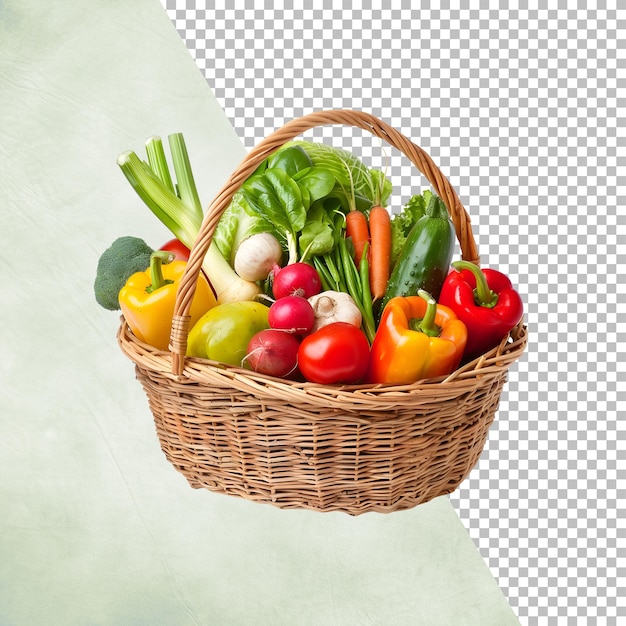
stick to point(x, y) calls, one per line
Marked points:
point(355, 449)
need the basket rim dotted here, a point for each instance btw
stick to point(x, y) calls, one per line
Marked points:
point(481, 370)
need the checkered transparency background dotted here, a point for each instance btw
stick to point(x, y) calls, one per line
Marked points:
point(523, 110)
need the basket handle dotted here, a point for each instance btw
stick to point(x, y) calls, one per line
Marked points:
point(271, 143)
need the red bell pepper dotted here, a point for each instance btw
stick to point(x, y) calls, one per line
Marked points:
point(484, 299)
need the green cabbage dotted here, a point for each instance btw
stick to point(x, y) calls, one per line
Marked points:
point(356, 186)
point(350, 173)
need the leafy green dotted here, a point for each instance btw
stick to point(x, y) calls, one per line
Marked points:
point(382, 186)
point(274, 196)
point(276, 199)
point(284, 200)
point(352, 176)
point(301, 194)
point(315, 183)
point(238, 222)
point(291, 160)
point(317, 237)
point(412, 211)
point(401, 223)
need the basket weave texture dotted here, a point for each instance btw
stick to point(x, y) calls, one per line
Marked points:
point(354, 448)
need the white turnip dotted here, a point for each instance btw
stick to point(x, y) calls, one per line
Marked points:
point(257, 256)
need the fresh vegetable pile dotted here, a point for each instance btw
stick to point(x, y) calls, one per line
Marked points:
point(309, 276)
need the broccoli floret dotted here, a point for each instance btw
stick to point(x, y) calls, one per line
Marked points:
point(124, 257)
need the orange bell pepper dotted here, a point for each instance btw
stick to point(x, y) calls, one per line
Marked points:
point(416, 339)
point(147, 300)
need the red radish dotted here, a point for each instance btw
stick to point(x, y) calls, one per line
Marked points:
point(293, 314)
point(273, 352)
point(296, 279)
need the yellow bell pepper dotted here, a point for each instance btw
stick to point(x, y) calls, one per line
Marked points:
point(147, 300)
point(416, 339)
point(223, 333)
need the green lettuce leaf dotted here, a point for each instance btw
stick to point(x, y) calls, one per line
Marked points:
point(401, 223)
point(236, 224)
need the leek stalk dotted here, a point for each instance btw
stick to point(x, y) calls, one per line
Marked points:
point(178, 207)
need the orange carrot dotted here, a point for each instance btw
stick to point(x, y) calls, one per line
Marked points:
point(358, 231)
point(380, 251)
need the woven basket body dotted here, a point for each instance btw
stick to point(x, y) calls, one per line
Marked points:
point(301, 445)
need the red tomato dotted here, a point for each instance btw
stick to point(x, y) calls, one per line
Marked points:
point(181, 253)
point(180, 250)
point(336, 353)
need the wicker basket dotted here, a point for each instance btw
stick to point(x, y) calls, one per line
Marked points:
point(301, 445)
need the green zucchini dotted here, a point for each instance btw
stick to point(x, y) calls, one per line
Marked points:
point(425, 258)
